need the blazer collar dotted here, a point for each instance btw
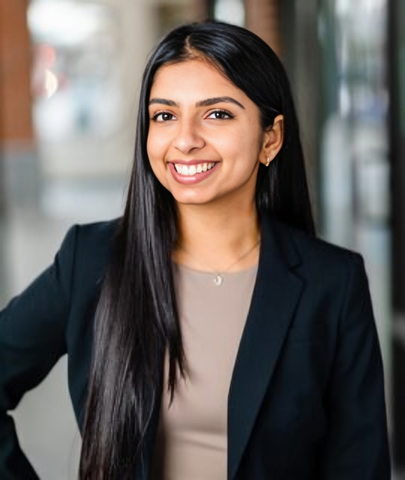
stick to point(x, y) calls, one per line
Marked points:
point(275, 295)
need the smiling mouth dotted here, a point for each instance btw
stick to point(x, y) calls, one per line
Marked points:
point(192, 170)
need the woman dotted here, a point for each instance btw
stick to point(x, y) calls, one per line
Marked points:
point(227, 342)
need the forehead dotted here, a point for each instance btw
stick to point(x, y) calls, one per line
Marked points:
point(192, 78)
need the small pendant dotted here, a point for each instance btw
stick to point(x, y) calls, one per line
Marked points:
point(218, 280)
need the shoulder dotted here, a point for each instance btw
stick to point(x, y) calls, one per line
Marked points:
point(86, 249)
point(313, 251)
point(94, 234)
point(91, 239)
point(322, 265)
point(335, 279)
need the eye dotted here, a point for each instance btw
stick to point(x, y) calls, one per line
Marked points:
point(162, 117)
point(220, 115)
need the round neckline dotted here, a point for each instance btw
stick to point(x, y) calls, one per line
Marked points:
point(211, 273)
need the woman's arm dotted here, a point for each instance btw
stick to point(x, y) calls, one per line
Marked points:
point(357, 445)
point(32, 339)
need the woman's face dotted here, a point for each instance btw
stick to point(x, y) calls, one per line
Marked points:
point(205, 140)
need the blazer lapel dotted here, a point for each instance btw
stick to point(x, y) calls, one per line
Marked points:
point(274, 299)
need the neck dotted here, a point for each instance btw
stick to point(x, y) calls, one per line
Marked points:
point(212, 238)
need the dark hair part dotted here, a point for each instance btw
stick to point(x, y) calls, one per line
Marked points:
point(136, 318)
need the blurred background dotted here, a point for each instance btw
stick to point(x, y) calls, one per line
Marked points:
point(69, 79)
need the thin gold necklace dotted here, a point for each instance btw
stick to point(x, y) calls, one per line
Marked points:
point(218, 274)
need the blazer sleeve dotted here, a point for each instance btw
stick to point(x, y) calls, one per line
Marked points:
point(32, 339)
point(357, 442)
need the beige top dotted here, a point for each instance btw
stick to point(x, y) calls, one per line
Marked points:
point(192, 433)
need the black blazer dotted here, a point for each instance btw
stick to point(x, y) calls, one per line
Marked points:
point(306, 400)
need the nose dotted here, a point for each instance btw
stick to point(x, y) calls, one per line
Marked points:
point(188, 136)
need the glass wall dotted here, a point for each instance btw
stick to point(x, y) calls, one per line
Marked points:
point(354, 166)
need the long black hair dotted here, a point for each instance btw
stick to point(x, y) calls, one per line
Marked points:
point(136, 319)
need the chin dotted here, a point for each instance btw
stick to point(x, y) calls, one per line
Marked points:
point(191, 201)
point(192, 198)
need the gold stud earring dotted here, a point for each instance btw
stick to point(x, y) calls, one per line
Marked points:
point(268, 161)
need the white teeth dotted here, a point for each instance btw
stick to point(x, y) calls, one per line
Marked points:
point(193, 169)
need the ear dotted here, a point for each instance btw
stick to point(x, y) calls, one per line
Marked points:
point(272, 141)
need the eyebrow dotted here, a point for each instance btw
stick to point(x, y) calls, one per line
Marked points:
point(203, 103)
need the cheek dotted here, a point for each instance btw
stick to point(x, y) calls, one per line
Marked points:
point(156, 155)
point(151, 146)
point(242, 152)
point(156, 150)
